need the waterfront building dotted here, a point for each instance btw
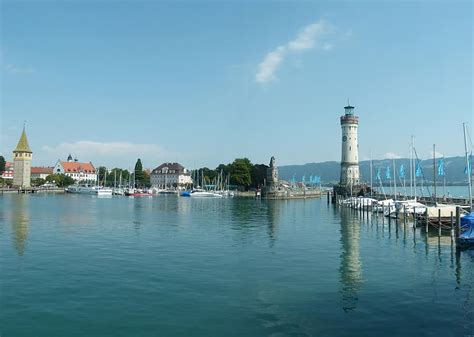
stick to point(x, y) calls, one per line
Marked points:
point(8, 173)
point(78, 171)
point(41, 172)
point(350, 149)
point(170, 174)
point(22, 156)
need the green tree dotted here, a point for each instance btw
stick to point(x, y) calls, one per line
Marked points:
point(258, 174)
point(240, 171)
point(138, 173)
point(113, 177)
point(101, 171)
point(225, 169)
point(209, 174)
point(2, 163)
point(38, 181)
point(146, 182)
point(60, 180)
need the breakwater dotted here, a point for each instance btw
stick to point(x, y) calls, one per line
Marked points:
point(30, 190)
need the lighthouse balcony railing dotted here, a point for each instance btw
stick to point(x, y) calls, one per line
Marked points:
point(350, 119)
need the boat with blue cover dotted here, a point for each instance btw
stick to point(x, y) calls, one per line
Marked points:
point(466, 235)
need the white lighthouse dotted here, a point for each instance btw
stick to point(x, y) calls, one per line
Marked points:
point(350, 148)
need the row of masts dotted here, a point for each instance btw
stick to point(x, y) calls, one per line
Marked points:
point(414, 160)
point(218, 183)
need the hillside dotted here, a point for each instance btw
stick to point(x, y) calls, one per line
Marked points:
point(330, 170)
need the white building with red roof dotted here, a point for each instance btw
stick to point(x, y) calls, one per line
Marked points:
point(41, 172)
point(8, 173)
point(76, 170)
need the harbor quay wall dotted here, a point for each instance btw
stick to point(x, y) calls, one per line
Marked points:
point(292, 194)
point(30, 190)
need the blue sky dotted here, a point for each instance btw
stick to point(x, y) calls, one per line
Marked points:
point(205, 82)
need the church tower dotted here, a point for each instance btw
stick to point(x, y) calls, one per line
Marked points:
point(22, 156)
point(350, 148)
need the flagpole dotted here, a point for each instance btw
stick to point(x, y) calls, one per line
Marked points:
point(444, 178)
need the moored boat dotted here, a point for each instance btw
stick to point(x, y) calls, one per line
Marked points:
point(466, 236)
point(199, 193)
point(132, 192)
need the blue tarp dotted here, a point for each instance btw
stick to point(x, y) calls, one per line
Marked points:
point(467, 229)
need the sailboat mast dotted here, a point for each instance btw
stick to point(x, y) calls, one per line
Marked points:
point(434, 173)
point(411, 172)
point(468, 167)
point(414, 165)
point(371, 168)
point(394, 180)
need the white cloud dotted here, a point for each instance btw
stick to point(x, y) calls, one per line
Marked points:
point(391, 155)
point(11, 68)
point(267, 68)
point(308, 38)
point(106, 152)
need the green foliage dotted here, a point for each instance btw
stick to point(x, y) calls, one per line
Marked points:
point(113, 177)
point(37, 181)
point(6, 182)
point(138, 173)
point(60, 180)
point(209, 174)
point(225, 169)
point(146, 180)
point(241, 171)
point(258, 174)
point(101, 171)
point(2, 163)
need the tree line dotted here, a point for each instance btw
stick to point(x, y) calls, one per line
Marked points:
point(242, 173)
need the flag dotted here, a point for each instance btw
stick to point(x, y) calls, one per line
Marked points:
point(378, 175)
point(418, 172)
point(402, 171)
point(388, 173)
point(441, 167)
point(468, 168)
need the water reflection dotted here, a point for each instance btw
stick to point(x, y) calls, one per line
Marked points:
point(351, 267)
point(273, 214)
point(20, 220)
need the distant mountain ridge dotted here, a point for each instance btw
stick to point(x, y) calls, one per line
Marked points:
point(330, 170)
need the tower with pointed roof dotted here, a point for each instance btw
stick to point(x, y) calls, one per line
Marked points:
point(22, 156)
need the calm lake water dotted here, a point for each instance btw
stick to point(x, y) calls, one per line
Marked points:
point(74, 265)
